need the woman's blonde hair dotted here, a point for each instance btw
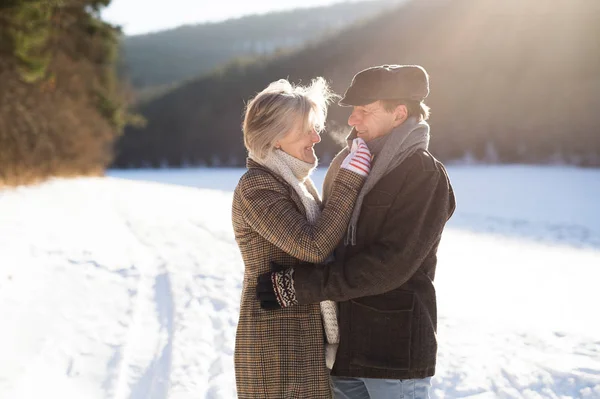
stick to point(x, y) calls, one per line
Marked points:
point(275, 112)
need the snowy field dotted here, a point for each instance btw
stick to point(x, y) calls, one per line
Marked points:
point(126, 287)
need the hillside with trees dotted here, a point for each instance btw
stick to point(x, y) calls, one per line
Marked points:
point(60, 106)
point(512, 81)
point(159, 60)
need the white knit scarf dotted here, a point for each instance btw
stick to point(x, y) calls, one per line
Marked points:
point(296, 173)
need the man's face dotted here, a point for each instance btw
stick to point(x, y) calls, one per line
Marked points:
point(372, 120)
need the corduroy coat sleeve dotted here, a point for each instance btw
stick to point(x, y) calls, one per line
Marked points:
point(412, 227)
point(270, 211)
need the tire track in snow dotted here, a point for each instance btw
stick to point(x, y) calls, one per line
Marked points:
point(152, 382)
point(122, 356)
point(144, 360)
point(202, 266)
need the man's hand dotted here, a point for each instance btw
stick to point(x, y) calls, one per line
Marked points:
point(275, 289)
point(265, 292)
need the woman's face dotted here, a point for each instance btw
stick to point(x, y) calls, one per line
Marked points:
point(300, 144)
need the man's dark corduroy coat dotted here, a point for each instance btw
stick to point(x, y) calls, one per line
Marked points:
point(384, 284)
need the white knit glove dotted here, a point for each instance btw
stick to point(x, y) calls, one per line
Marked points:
point(359, 159)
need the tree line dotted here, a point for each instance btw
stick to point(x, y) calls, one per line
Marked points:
point(155, 62)
point(512, 81)
point(516, 81)
point(61, 107)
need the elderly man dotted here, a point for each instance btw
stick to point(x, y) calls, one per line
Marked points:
point(383, 272)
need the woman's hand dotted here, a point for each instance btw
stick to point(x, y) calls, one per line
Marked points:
point(359, 159)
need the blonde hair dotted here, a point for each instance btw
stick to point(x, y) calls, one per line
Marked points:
point(274, 112)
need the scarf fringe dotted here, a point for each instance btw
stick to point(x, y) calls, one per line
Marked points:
point(350, 236)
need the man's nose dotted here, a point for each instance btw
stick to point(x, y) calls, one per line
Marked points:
point(353, 119)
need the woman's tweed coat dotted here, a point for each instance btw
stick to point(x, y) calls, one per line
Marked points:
point(280, 353)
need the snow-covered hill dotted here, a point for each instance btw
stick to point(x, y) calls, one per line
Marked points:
point(113, 288)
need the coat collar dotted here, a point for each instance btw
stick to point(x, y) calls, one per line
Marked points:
point(252, 164)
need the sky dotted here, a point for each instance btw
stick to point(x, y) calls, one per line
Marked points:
point(143, 16)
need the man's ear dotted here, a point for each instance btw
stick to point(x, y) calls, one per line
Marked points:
point(400, 115)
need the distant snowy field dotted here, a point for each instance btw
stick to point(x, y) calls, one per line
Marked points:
point(125, 287)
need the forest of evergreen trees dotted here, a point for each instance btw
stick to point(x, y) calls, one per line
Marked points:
point(511, 81)
point(516, 81)
point(156, 61)
point(61, 108)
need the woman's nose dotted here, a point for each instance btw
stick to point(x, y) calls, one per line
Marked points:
point(315, 137)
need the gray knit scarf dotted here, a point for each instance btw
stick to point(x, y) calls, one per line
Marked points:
point(390, 151)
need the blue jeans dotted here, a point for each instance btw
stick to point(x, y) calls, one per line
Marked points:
point(374, 388)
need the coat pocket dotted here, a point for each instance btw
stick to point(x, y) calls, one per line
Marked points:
point(373, 215)
point(381, 330)
point(291, 358)
point(378, 199)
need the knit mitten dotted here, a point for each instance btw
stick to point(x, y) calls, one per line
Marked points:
point(276, 290)
point(359, 159)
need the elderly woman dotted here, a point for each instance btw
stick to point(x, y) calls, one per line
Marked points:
point(277, 217)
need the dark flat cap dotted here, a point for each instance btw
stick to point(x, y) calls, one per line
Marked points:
point(387, 82)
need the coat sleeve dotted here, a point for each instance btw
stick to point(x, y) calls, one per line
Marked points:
point(332, 172)
point(422, 210)
point(270, 211)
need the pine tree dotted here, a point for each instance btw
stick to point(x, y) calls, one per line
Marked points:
point(61, 107)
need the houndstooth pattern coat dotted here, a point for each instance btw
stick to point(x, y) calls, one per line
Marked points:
point(280, 353)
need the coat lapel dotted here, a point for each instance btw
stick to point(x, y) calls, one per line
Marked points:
point(293, 194)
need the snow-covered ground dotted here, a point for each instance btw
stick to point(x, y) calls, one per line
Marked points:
point(122, 288)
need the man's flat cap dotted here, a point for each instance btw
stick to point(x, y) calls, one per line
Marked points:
point(387, 82)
